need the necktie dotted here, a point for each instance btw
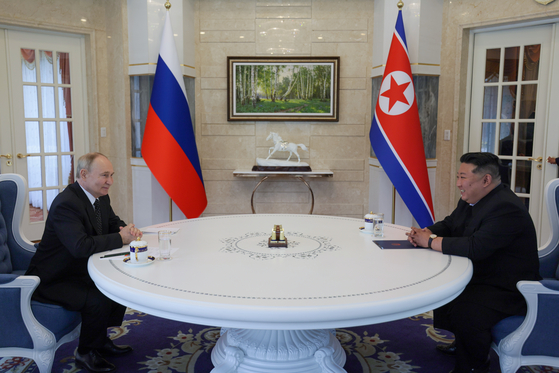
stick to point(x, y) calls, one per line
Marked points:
point(98, 223)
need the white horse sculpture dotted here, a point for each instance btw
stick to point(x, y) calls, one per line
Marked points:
point(283, 146)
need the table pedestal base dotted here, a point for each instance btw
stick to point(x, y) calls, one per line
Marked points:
point(286, 351)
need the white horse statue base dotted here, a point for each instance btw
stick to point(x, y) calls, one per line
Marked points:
point(279, 163)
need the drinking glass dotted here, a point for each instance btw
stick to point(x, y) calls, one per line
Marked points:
point(164, 244)
point(378, 224)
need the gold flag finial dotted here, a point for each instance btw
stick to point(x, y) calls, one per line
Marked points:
point(400, 4)
point(167, 5)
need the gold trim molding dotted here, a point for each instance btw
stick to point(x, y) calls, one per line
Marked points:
point(153, 63)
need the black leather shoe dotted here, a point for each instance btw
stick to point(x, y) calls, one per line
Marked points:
point(110, 349)
point(93, 362)
point(447, 349)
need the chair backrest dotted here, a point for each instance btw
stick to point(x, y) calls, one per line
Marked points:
point(15, 250)
point(549, 253)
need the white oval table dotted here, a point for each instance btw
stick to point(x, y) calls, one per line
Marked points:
point(276, 305)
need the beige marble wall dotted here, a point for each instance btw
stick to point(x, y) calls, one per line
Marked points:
point(325, 28)
point(459, 18)
point(105, 31)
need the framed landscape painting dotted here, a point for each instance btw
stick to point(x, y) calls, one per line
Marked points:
point(283, 88)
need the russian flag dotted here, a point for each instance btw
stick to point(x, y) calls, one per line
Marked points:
point(396, 132)
point(169, 145)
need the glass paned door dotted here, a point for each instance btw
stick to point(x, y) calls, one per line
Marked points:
point(46, 74)
point(508, 106)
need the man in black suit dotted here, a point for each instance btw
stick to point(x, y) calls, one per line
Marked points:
point(81, 223)
point(492, 227)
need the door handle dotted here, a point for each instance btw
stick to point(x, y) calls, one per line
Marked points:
point(8, 156)
point(19, 155)
point(539, 159)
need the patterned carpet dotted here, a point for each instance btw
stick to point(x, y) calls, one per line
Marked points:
point(164, 346)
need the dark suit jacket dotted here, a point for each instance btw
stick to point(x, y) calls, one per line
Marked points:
point(500, 239)
point(68, 241)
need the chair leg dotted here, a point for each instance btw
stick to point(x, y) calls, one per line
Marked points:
point(509, 364)
point(44, 360)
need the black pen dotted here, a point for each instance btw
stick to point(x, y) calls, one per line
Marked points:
point(116, 254)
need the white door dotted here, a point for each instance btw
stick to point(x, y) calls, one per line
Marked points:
point(509, 109)
point(46, 120)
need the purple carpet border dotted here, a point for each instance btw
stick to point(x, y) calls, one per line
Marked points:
point(166, 346)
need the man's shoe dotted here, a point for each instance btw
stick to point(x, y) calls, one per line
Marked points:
point(447, 349)
point(93, 362)
point(110, 349)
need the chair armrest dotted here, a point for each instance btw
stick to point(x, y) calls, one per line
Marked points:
point(41, 336)
point(530, 289)
point(542, 298)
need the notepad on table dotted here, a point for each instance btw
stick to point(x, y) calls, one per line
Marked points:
point(395, 244)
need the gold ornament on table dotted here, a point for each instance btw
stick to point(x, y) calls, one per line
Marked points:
point(277, 239)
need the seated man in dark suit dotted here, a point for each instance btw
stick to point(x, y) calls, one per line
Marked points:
point(492, 227)
point(80, 223)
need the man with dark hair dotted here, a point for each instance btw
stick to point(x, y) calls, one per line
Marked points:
point(81, 223)
point(492, 227)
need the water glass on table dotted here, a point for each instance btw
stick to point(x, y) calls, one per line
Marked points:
point(164, 238)
point(378, 224)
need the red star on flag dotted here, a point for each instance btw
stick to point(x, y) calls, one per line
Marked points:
point(396, 93)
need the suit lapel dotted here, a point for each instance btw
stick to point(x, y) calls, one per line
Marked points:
point(87, 205)
point(478, 211)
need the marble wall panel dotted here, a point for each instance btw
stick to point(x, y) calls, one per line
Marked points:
point(218, 175)
point(213, 117)
point(355, 61)
point(353, 83)
point(213, 57)
point(226, 10)
point(339, 36)
point(230, 192)
point(214, 101)
point(213, 83)
point(229, 36)
point(282, 197)
point(349, 176)
point(354, 106)
point(283, 2)
point(348, 192)
point(284, 184)
point(339, 164)
point(360, 24)
point(228, 130)
point(329, 129)
point(347, 147)
point(227, 146)
point(283, 12)
point(79, 14)
point(348, 9)
point(226, 25)
point(217, 163)
point(283, 36)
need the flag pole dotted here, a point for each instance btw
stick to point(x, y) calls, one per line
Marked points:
point(168, 7)
point(400, 6)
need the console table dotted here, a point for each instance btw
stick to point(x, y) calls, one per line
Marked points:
point(265, 175)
